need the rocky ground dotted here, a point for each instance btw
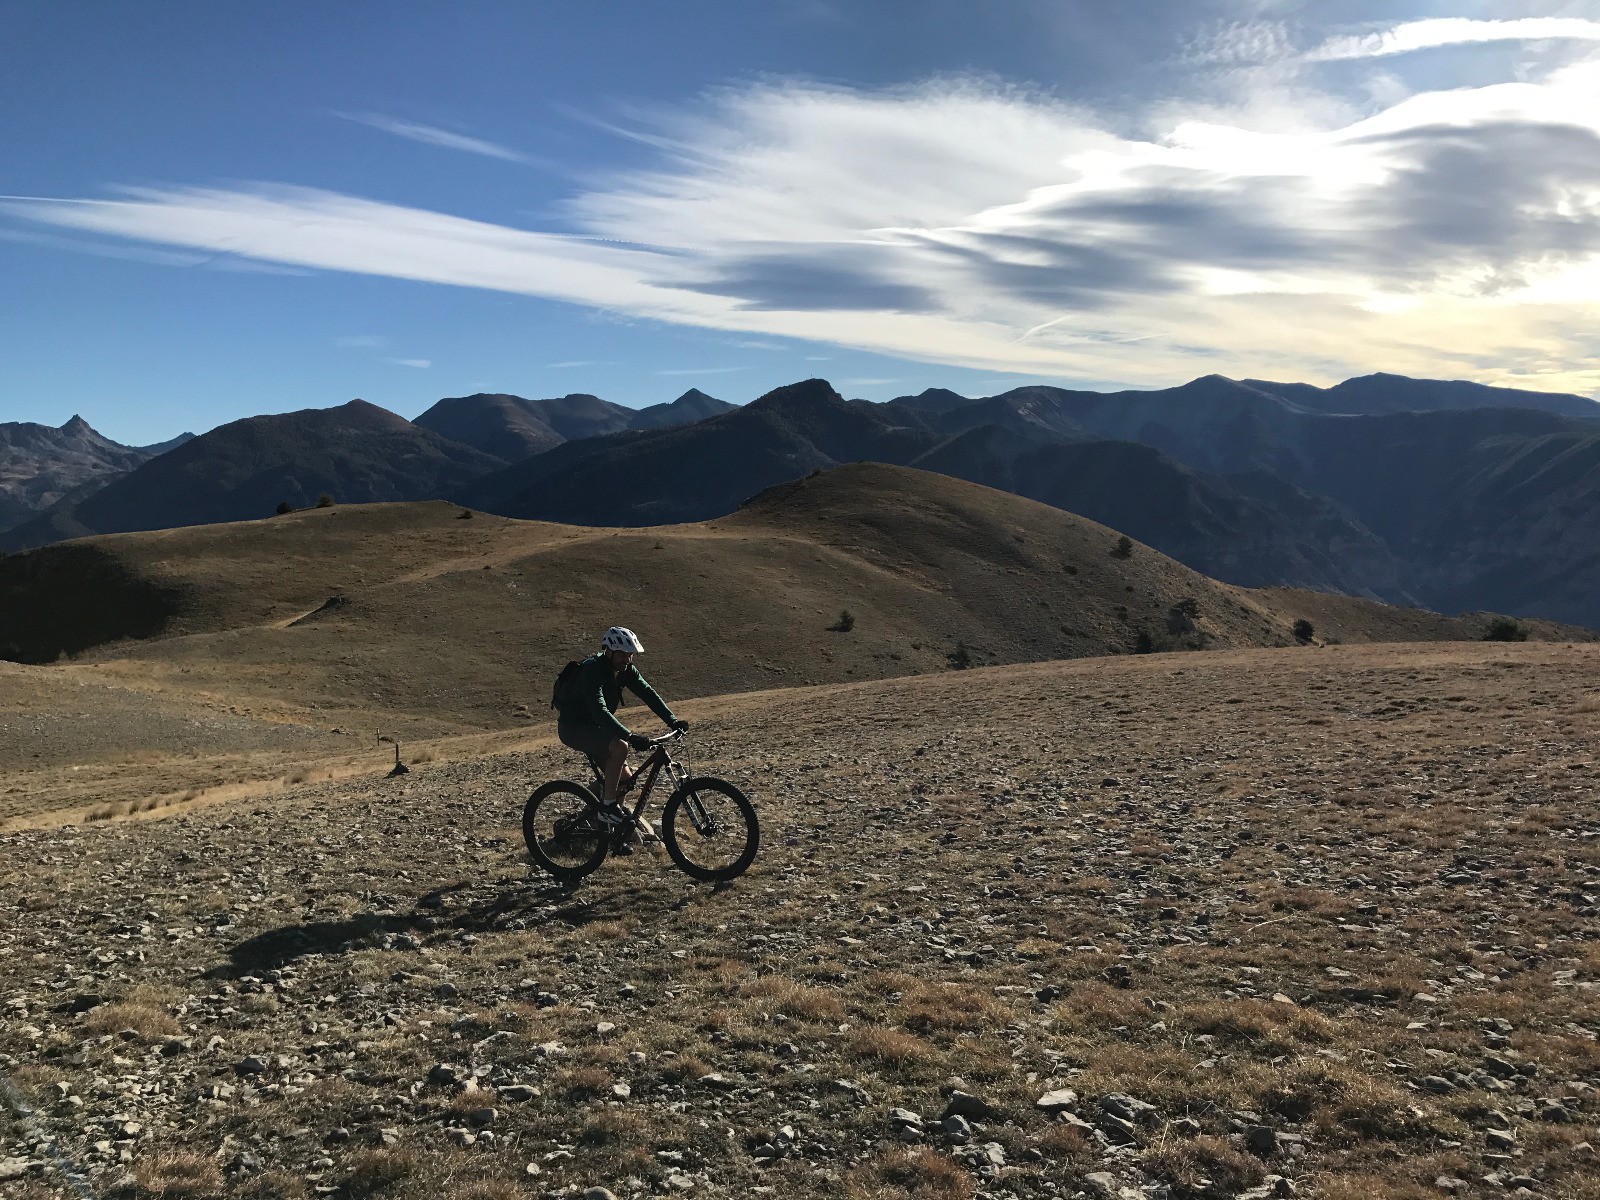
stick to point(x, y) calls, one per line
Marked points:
point(1315, 922)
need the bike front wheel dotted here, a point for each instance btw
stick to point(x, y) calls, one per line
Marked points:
point(710, 830)
point(561, 824)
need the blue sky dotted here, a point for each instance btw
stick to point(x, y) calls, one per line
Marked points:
point(219, 210)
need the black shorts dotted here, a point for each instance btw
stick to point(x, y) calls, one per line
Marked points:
point(586, 739)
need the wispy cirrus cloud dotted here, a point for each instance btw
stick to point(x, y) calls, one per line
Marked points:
point(1439, 32)
point(432, 135)
point(1448, 232)
point(421, 364)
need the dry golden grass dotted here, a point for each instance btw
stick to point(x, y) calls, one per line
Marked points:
point(949, 1007)
point(684, 1066)
point(615, 1127)
point(794, 999)
point(582, 1083)
point(1065, 1144)
point(178, 1176)
point(1094, 1005)
point(1269, 1028)
point(919, 1174)
point(1202, 1167)
point(146, 1020)
point(370, 1172)
point(891, 1047)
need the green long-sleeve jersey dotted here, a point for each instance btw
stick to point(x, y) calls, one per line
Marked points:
point(596, 694)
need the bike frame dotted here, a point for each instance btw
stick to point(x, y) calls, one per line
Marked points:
point(660, 760)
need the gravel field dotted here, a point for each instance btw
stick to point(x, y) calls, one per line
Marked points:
point(1315, 922)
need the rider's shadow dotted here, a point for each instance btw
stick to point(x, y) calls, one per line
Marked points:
point(508, 910)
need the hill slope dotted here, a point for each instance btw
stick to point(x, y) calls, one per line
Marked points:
point(1252, 529)
point(444, 623)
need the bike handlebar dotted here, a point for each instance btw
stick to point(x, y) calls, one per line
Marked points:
point(670, 736)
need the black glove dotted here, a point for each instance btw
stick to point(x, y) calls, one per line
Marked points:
point(678, 724)
point(639, 741)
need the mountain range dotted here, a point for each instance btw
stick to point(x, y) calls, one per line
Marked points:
point(41, 466)
point(1444, 494)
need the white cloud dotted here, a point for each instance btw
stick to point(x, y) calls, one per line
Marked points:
point(701, 371)
point(1454, 31)
point(1453, 232)
point(421, 364)
point(433, 136)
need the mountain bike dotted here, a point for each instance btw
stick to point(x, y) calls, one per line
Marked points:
point(708, 826)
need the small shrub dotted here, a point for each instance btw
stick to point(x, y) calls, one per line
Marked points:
point(1123, 548)
point(464, 515)
point(845, 623)
point(1144, 643)
point(1188, 606)
point(1303, 630)
point(284, 507)
point(960, 658)
point(325, 501)
point(1504, 629)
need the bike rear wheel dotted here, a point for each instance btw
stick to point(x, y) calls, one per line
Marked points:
point(562, 826)
point(709, 828)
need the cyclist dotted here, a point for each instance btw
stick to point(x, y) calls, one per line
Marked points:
point(587, 720)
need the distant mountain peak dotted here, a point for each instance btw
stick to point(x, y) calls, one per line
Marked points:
point(77, 426)
point(693, 395)
point(806, 392)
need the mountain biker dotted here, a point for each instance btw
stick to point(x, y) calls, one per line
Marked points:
point(587, 720)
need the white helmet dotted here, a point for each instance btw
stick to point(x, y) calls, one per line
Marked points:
point(618, 638)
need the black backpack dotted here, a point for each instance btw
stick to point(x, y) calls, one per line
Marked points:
point(563, 686)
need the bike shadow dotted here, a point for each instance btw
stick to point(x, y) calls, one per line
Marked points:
point(511, 905)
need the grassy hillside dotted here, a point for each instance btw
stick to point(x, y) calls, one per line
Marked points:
point(441, 623)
